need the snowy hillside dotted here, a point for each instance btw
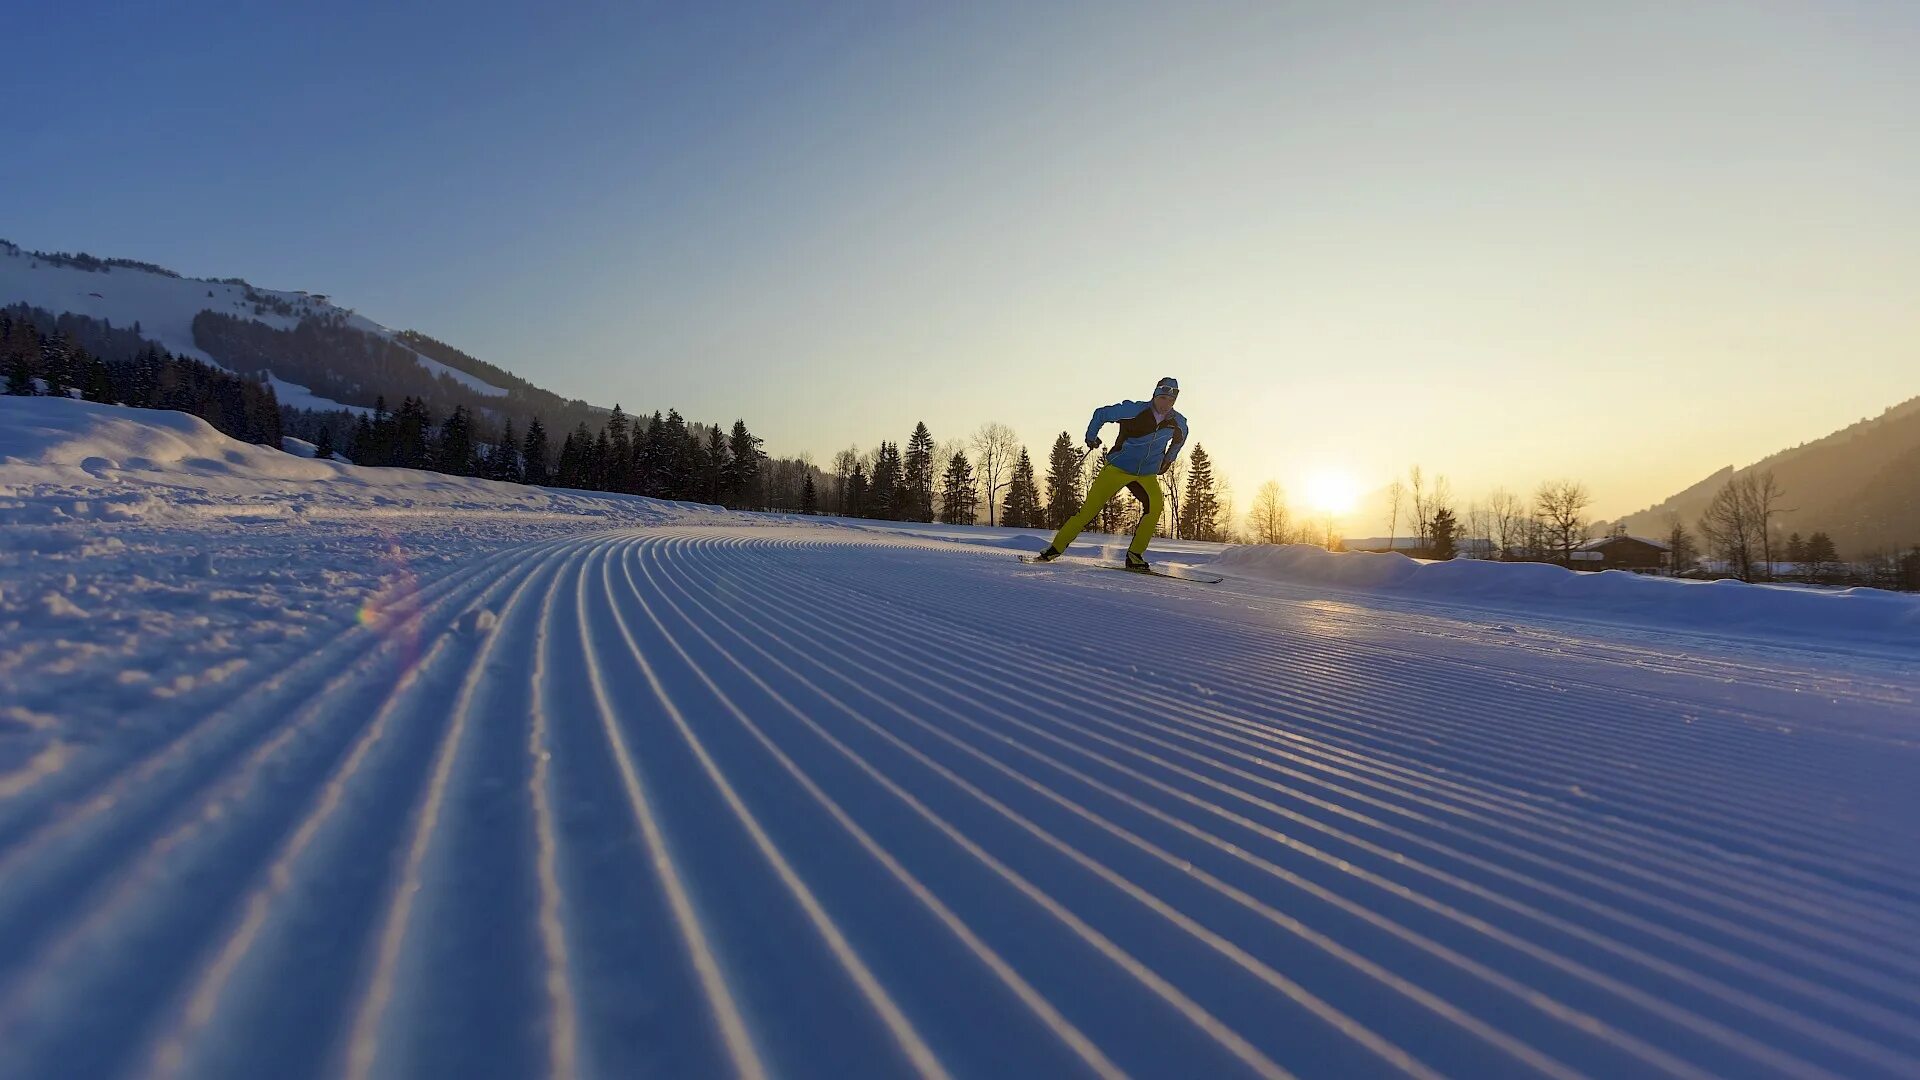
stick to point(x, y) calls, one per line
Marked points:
point(308, 769)
point(164, 306)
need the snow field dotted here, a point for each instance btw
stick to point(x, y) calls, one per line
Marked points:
point(512, 782)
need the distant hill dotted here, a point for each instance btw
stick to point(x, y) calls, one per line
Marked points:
point(314, 353)
point(1861, 485)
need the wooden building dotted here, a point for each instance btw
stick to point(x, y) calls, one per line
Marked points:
point(1636, 553)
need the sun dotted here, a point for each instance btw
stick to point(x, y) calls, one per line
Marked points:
point(1332, 491)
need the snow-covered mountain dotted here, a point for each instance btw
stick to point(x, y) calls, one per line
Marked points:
point(316, 353)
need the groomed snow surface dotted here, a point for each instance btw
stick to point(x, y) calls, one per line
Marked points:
point(307, 769)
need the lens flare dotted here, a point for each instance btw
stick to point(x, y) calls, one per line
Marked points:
point(386, 610)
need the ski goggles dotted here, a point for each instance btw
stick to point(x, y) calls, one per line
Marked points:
point(1171, 390)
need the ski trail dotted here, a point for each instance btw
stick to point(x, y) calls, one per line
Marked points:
point(713, 984)
point(201, 1004)
point(903, 1033)
point(564, 1024)
point(1601, 882)
point(1889, 1021)
point(1089, 1054)
point(1229, 1040)
point(230, 816)
point(363, 1040)
point(1711, 1030)
point(1442, 1008)
point(758, 797)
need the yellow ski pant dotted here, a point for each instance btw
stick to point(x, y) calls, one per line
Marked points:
point(1106, 484)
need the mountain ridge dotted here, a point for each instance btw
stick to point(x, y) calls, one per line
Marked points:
point(1860, 484)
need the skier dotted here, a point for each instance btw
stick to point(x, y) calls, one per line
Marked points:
point(1151, 434)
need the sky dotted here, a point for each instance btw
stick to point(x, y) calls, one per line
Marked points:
point(1624, 243)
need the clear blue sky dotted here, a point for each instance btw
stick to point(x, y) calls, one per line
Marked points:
point(1491, 239)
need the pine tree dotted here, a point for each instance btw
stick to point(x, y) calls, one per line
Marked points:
point(1682, 552)
point(503, 463)
point(743, 467)
point(599, 452)
point(676, 479)
point(959, 494)
point(917, 475)
point(411, 425)
point(854, 499)
point(883, 494)
point(1441, 534)
point(96, 384)
point(809, 502)
point(365, 444)
point(20, 375)
point(1063, 482)
point(1797, 555)
point(651, 471)
point(1823, 559)
point(714, 477)
point(617, 471)
point(1199, 506)
point(323, 444)
point(53, 369)
point(1022, 509)
point(454, 452)
point(574, 452)
point(534, 453)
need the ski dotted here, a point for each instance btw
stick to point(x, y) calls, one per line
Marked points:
point(1172, 573)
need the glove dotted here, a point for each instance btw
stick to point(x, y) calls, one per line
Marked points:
point(1165, 464)
point(1093, 442)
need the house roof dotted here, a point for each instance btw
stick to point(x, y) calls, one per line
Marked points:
point(1595, 545)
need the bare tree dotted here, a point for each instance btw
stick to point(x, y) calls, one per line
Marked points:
point(1440, 498)
point(1738, 524)
point(995, 447)
point(1728, 527)
point(1416, 485)
point(1507, 522)
point(1268, 519)
point(1764, 493)
point(1396, 494)
point(1479, 523)
point(1174, 481)
point(1681, 554)
point(1562, 507)
point(843, 465)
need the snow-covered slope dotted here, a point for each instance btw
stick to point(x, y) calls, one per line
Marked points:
point(1727, 607)
point(449, 778)
point(164, 307)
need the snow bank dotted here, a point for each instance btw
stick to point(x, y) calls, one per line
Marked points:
point(64, 459)
point(1613, 595)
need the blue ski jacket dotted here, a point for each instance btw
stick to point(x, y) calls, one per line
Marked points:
point(1144, 447)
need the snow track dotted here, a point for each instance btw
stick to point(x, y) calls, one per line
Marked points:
point(801, 800)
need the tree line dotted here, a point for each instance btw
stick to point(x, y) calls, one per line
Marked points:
point(989, 475)
point(41, 354)
point(662, 456)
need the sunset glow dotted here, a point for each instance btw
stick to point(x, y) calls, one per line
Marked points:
point(1332, 491)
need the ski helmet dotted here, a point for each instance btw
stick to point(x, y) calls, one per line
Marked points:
point(1169, 386)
